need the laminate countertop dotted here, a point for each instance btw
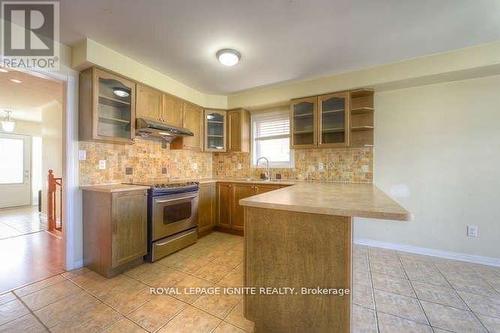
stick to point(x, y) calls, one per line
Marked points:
point(355, 200)
point(110, 188)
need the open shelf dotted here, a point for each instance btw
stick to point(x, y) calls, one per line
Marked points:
point(361, 128)
point(363, 92)
point(361, 110)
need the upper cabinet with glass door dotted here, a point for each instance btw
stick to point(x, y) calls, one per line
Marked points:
point(303, 122)
point(333, 120)
point(107, 107)
point(215, 130)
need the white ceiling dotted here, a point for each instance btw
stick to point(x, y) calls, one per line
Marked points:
point(25, 99)
point(280, 40)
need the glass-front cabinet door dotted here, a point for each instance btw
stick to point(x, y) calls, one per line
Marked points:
point(303, 121)
point(333, 120)
point(215, 130)
point(114, 107)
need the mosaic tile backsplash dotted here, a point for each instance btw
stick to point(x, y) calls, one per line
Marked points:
point(352, 165)
point(148, 160)
point(145, 160)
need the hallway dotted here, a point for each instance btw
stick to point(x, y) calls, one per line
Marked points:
point(27, 252)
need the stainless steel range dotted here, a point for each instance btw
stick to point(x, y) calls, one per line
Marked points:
point(172, 217)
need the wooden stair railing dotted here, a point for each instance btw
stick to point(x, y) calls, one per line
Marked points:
point(55, 224)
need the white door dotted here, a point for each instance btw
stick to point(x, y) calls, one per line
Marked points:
point(15, 169)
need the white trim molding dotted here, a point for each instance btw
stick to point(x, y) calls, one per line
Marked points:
point(430, 252)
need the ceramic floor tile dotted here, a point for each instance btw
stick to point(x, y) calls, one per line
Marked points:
point(27, 323)
point(363, 295)
point(452, 319)
point(487, 306)
point(475, 285)
point(218, 305)
point(67, 310)
point(124, 325)
point(227, 328)
point(492, 324)
point(127, 296)
point(401, 306)
point(191, 320)
point(7, 297)
point(438, 294)
point(157, 312)
point(191, 264)
point(156, 275)
point(392, 324)
point(233, 279)
point(361, 277)
point(363, 320)
point(39, 285)
point(236, 318)
point(391, 270)
point(186, 286)
point(12, 310)
point(95, 319)
point(50, 294)
point(392, 284)
point(213, 272)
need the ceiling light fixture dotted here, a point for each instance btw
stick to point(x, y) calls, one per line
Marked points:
point(8, 124)
point(228, 57)
point(16, 80)
point(120, 92)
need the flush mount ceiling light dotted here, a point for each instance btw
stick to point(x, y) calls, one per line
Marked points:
point(120, 92)
point(228, 57)
point(16, 80)
point(8, 124)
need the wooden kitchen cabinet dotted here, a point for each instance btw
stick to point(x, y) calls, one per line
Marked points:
point(106, 107)
point(215, 130)
point(206, 207)
point(240, 191)
point(238, 131)
point(224, 200)
point(149, 103)
point(192, 119)
point(172, 111)
point(333, 120)
point(230, 214)
point(114, 230)
point(303, 122)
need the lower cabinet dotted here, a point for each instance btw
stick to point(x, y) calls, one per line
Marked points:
point(206, 207)
point(114, 230)
point(230, 214)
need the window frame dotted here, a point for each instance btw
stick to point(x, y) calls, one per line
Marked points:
point(272, 164)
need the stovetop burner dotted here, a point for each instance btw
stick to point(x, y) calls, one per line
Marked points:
point(162, 188)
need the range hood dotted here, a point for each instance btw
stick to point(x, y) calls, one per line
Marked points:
point(150, 128)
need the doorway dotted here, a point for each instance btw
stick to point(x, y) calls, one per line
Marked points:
point(29, 148)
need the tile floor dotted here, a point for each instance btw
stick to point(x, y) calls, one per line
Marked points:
point(392, 292)
point(27, 253)
point(20, 221)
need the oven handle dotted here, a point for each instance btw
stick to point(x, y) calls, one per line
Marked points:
point(174, 199)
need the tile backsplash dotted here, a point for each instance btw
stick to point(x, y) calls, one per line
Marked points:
point(147, 160)
point(353, 165)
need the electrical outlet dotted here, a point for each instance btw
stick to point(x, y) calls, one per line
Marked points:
point(365, 168)
point(238, 166)
point(321, 166)
point(82, 155)
point(195, 166)
point(472, 231)
point(102, 164)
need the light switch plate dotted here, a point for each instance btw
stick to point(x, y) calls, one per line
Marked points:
point(82, 155)
point(102, 164)
point(472, 231)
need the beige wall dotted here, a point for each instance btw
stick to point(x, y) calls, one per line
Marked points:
point(52, 147)
point(437, 153)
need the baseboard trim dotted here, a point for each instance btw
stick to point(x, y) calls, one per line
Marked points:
point(490, 261)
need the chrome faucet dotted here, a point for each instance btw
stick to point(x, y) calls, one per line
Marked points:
point(268, 169)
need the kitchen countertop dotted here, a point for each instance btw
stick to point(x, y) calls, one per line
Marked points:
point(356, 200)
point(110, 188)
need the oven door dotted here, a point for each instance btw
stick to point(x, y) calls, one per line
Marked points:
point(174, 213)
